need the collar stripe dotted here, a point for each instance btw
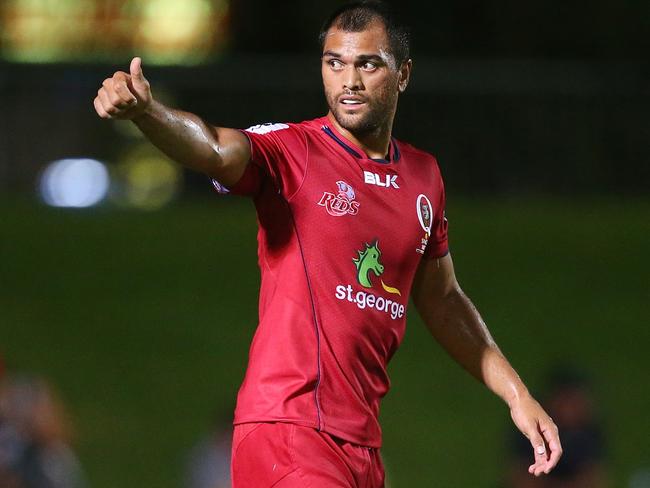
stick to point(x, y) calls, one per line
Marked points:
point(393, 147)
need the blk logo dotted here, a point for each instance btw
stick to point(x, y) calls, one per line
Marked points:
point(386, 181)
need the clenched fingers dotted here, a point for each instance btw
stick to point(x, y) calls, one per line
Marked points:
point(121, 87)
point(100, 109)
point(118, 93)
point(105, 102)
point(114, 99)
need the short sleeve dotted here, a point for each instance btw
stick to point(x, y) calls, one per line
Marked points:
point(280, 150)
point(438, 245)
point(248, 185)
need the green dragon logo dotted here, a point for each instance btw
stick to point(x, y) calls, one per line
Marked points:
point(367, 262)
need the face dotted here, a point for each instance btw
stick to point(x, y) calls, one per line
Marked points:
point(361, 79)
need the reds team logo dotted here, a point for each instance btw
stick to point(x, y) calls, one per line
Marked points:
point(342, 203)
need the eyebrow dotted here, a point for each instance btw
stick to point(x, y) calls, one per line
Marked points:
point(370, 57)
point(361, 57)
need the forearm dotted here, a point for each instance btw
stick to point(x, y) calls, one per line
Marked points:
point(220, 153)
point(457, 325)
point(182, 136)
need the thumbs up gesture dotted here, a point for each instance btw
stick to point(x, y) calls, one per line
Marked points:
point(125, 95)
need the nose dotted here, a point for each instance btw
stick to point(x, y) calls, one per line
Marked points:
point(352, 80)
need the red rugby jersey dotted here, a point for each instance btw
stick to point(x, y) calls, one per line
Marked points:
point(340, 238)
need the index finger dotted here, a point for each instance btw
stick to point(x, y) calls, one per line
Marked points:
point(122, 76)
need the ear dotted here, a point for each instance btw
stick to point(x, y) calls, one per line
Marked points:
point(405, 75)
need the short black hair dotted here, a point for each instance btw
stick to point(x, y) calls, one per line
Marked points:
point(356, 16)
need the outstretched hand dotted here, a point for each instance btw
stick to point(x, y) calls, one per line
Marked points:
point(531, 419)
point(124, 95)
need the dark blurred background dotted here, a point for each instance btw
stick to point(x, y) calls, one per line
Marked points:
point(131, 288)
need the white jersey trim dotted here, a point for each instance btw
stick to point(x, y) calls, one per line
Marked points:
point(266, 128)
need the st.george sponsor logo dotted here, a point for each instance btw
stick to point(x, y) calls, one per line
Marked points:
point(367, 262)
point(364, 299)
point(342, 203)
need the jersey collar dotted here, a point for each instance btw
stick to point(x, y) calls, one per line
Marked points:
point(353, 150)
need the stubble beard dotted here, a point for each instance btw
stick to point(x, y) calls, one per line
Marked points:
point(376, 115)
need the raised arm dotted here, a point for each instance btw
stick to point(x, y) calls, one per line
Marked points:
point(218, 152)
point(456, 324)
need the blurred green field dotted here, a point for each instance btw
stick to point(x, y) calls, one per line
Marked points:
point(143, 321)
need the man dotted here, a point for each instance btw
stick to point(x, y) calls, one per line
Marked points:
point(35, 447)
point(351, 221)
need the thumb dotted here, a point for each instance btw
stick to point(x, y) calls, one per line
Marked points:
point(539, 448)
point(136, 70)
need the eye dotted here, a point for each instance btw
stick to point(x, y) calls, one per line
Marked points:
point(369, 66)
point(335, 64)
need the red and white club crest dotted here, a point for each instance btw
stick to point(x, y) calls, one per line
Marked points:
point(425, 213)
point(425, 216)
point(341, 203)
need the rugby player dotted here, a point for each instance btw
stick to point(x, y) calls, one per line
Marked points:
point(351, 224)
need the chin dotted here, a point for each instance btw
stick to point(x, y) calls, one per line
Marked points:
point(357, 123)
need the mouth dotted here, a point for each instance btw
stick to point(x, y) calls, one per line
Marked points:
point(352, 102)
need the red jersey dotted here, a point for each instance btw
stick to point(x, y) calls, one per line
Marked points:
point(340, 238)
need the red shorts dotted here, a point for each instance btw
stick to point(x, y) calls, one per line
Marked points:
point(286, 455)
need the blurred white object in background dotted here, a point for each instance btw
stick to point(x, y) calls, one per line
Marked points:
point(74, 183)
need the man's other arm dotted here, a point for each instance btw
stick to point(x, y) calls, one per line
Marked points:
point(456, 324)
point(220, 153)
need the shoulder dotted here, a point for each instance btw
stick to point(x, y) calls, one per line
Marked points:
point(285, 135)
point(285, 128)
point(413, 152)
point(267, 128)
point(421, 157)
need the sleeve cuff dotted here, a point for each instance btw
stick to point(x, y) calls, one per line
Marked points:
point(249, 183)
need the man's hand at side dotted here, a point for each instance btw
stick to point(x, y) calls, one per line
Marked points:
point(531, 419)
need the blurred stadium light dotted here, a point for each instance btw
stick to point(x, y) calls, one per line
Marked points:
point(145, 179)
point(165, 31)
point(142, 179)
point(74, 183)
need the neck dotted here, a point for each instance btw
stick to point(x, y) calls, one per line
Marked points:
point(374, 143)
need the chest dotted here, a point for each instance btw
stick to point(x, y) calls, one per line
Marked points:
point(345, 203)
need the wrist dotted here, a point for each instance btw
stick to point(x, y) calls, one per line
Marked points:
point(144, 112)
point(516, 395)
